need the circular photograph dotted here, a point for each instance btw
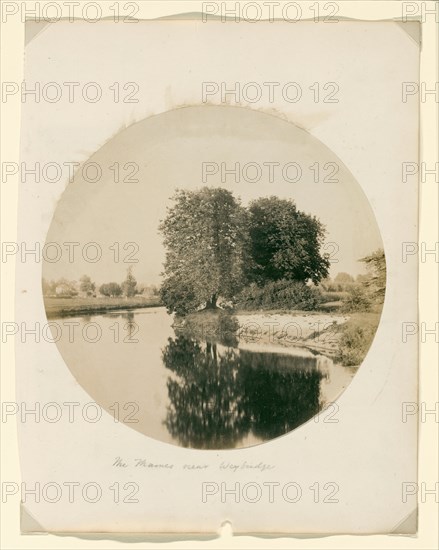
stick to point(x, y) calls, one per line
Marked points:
point(214, 277)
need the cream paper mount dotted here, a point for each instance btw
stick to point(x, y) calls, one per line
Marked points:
point(172, 432)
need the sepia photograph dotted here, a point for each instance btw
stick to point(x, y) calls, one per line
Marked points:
point(243, 265)
point(218, 319)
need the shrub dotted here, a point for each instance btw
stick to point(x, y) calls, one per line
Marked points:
point(333, 296)
point(332, 286)
point(357, 300)
point(356, 338)
point(283, 294)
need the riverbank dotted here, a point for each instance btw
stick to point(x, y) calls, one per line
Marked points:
point(346, 337)
point(280, 328)
point(70, 307)
point(314, 330)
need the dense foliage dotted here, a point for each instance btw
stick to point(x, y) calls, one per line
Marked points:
point(285, 243)
point(205, 235)
point(257, 257)
point(368, 292)
point(357, 300)
point(283, 294)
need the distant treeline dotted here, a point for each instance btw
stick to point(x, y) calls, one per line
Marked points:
point(64, 288)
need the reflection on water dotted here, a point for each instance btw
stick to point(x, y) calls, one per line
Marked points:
point(130, 326)
point(221, 394)
point(197, 393)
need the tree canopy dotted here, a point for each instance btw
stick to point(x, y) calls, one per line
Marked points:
point(205, 235)
point(285, 242)
point(215, 246)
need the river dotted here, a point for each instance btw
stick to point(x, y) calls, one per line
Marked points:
point(192, 393)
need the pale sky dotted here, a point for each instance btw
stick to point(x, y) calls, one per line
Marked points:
point(170, 150)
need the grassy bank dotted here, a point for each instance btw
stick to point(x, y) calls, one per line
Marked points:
point(356, 337)
point(346, 337)
point(67, 307)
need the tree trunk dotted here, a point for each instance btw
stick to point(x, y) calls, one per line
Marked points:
point(211, 304)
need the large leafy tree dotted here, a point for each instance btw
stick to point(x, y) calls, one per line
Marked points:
point(205, 235)
point(285, 243)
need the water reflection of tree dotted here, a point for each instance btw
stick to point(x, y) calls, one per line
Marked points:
point(222, 394)
point(130, 327)
point(207, 408)
point(283, 391)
